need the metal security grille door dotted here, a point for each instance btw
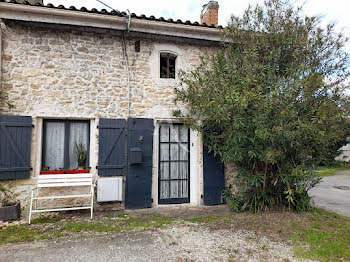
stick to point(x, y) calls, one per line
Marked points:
point(174, 163)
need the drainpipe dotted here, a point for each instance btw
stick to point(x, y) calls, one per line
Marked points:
point(1, 54)
point(128, 21)
point(125, 51)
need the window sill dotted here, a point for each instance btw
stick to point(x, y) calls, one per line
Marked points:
point(167, 79)
point(168, 82)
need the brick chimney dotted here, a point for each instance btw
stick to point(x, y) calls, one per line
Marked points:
point(210, 13)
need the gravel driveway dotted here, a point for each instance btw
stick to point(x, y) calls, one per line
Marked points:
point(180, 243)
point(333, 193)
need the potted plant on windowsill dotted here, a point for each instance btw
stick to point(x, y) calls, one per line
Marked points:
point(10, 208)
point(80, 154)
point(47, 171)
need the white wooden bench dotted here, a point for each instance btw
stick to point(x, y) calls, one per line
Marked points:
point(62, 180)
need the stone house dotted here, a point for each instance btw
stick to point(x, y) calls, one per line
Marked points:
point(344, 155)
point(104, 80)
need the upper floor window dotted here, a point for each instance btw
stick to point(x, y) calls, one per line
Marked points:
point(167, 65)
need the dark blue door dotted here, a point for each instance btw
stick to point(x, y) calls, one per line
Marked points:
point(140, 152)
point(213, 178)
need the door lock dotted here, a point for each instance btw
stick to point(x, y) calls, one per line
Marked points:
point(141, 139)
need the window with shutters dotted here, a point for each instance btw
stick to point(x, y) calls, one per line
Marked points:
point(15, 141)
point(111, 147)
point(59, 140)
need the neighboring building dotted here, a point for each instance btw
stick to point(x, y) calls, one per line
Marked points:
point(344, 155)
point(105, 80)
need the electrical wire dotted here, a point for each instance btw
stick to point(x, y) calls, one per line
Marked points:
point(128, 17)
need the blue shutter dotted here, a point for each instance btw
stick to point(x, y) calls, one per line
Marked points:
point(213, 178)
point(139, 177)
point(15, 141)
point(112, 143)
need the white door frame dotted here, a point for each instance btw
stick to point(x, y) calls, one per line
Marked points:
point(196, 165)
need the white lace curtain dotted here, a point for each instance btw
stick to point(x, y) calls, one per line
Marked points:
point(174, 161)
point(54, 151)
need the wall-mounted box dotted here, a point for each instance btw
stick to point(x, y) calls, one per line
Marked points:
point(135, 156)
point(109, 189)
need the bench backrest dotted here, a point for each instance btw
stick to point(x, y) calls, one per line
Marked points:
point(64, 180)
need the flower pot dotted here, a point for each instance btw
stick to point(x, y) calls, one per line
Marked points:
point(77, 171)
point(51, 172)
point(10, 212)
point(81, 167)
point(71, 171)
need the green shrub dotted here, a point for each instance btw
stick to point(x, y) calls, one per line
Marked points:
point(269, 102)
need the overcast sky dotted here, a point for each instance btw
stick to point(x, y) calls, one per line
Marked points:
point(330, 10)
point(337, 10)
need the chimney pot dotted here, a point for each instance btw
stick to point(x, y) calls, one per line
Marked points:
point(210, 13)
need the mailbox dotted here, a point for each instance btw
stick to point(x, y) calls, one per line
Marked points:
point(135, 156)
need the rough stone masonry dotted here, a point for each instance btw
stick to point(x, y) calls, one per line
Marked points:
point(57, 71)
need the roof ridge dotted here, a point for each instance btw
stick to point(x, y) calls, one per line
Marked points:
point(113, 12)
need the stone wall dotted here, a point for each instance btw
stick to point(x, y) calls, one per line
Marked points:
point(230, 173)
point(70, 72)
point(53, 72)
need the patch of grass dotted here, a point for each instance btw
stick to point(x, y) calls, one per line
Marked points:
point(52, 235)
point(328, 171)
point(162, 222)
point(320, 235)
point(227, 221)
point(94, 227)
point(20, 233)
point(128, 224)
point(137, 222)
point(36, 231)
point(44, 220)
point(327, 240)
point(316, 226)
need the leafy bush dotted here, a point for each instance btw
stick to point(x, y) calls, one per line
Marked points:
point(271, 100)
point(289, 190)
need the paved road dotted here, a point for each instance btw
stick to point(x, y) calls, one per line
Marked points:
point(133, 246)
point(333, 193)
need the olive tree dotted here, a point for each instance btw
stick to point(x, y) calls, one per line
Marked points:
point(271, 100)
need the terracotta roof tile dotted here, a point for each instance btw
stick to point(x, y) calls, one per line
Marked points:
point(114, 12)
